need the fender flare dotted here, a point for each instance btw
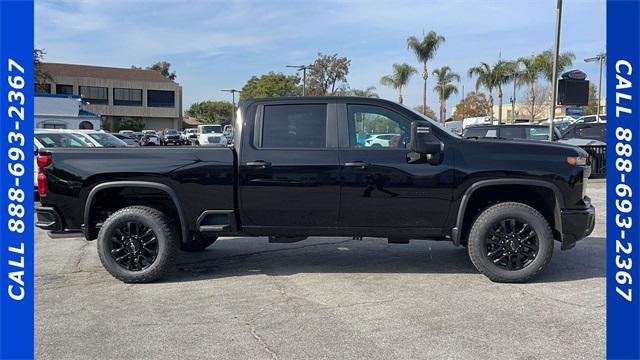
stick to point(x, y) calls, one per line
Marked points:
point(141, 184)
point(559, 201)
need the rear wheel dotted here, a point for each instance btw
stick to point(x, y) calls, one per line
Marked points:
point(510, 242)
point(137, 244)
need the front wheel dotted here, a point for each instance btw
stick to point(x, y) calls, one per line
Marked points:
point(138, 244)
point(510, 242)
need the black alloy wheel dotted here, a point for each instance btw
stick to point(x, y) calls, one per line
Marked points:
point(512, 244)
point(134, 246)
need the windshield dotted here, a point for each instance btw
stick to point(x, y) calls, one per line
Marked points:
point(59, 140)
point(108, 140)
point(448, 131)
point(210, 129)
point(172, 132)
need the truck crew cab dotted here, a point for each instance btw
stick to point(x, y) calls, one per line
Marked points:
point(299, 168)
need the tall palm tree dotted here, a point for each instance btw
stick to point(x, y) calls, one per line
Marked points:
point(444, 87)
point(400, 77)
point(528, 76)
point(425, 50)
point(485, 79)
point(503, 71)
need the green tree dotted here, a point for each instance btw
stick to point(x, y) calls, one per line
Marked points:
point(473, 105)
point(162, 67)
point(369, 92)
point(428, 112)
point(545, 61)
point(425, 50)
point(271, 85)
point(592, 108)
point(485, 78)
point(399, 78)
point(328, 75)
point(530, 70)
point(40, 77)
point(212, 112)
point(444, 88)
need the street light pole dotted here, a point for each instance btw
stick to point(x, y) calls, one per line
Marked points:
point(554, 75)
point(600, 58)
point(233, 99)
point(302, 68)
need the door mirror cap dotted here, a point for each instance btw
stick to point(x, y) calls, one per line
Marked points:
point(422, 140)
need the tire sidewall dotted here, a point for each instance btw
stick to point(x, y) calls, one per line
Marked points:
point(116, 221)
point(488, 219)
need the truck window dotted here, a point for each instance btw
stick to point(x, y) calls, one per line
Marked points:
point(376, 127)
point(294, 126)
point(512, 132)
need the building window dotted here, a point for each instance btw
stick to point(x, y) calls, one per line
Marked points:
point(95, 95)
point(160, 98)
point(43, 89)
point(127, 97)
point(64, 89)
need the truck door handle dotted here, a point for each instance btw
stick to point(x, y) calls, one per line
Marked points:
point(358, 164)
point(259, 164)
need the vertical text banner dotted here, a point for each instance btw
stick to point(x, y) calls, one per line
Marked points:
point(623, 182)
point(16, 179)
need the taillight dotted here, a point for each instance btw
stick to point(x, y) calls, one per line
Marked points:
point(42, 160)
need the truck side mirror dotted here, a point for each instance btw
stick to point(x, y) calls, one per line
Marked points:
point(422, 140)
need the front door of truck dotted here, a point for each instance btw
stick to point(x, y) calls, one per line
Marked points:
point(379, 188)
point(289, 168)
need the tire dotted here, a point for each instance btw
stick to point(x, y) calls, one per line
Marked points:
point(199, 243)
point(165, 244)
point(498, 253)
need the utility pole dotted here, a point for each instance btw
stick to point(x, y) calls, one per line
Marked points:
point(601, 58)
point(302, 68)
point(554, 75)
point(462, 101)
point(233, 97)
point(513, 98)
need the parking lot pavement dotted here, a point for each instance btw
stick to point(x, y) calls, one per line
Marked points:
point(321, 298)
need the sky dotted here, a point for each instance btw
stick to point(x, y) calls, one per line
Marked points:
point(214, 45)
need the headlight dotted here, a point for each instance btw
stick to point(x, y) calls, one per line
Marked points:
point(577, 160)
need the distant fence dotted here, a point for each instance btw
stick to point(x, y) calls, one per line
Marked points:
point(597, 159)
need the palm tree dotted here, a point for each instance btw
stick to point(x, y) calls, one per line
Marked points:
point(545, 60)
point(369, 92)
point(400, 77)
point(503, 71)
point(485, 79)
point(444, 88)
point(528, 76)
point(425, 50)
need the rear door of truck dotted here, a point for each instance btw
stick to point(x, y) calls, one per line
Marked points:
point(289, 170)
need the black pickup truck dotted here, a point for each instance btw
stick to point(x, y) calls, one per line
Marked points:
point(322, 166)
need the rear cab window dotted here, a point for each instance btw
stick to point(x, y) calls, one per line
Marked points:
point(299, 126)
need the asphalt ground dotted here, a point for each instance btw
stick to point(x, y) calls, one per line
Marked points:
point(321, 298)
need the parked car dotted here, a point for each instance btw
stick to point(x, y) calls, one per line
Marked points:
point(480, 120)
point(99, 138)
point(515, 131)
point(592, 119)
point(587, 131)
point(296, 171)
point(170, 136)
point(561, 124)
point(455, 126)
point(128, 139)
point(189, 136)
point(149, 138)
point(126, 132)
point(43, 138)
point(211, 135)
point(379, 140)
